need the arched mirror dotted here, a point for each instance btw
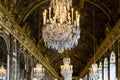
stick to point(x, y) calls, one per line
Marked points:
point(3, 58)
point(21, 65)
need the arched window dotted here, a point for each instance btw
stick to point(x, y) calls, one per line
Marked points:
point(105, 69)
point(112, 66)
point(100, 71)
point(85, 78)
point(3, 56)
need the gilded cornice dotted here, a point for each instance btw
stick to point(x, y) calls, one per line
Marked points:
point(13, 28)
point(107, 43)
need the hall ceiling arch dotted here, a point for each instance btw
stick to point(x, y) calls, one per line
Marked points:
point(103, 15)
point(88, 1)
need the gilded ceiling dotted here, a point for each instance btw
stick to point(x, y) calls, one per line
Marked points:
point(98, 15)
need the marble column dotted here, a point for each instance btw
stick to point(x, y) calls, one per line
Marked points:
point(8, 66)
point(8, 61)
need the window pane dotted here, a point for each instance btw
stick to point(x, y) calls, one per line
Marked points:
point(112, 72)
point(100, 71)
point(112, 66)
point(105, 73)
point(105, 69)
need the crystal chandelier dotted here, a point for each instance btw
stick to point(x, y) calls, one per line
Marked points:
point(94, 71)
point(67, 69)
point(94, 68)
point(61, 29)
point(38, 72)
point(2, 72)
point(80, 79)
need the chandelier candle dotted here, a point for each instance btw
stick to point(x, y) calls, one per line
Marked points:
point(49, 13)
point(60, 30)
point(72, 14)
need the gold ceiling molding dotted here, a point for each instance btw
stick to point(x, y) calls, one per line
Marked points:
point(13, 28)
point(33, 8)
point(73, 78)
point(107, 43)
point(82, 2)
point(42, 2)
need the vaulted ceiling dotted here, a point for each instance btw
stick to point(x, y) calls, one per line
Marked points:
point(98, 15)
